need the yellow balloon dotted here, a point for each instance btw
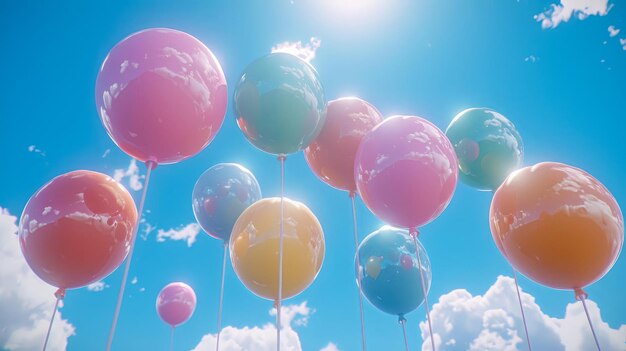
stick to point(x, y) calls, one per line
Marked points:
point(254, 247)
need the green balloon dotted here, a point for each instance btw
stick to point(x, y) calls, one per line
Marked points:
point(280, 103)
point(487, 145)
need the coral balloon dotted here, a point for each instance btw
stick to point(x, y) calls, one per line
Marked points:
point(406, 171)
point(280, 103)
point(487, 145)
point(557, 225)
point(331, 155)
point(161, 95)
point(390, 277)
point(77, 228)
point(254, 248)
point(220, 195)
point(176, 303)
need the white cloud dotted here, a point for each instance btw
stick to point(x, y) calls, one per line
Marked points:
point(623, 43)
point(132, 173)
point(264, 338)
point(97, 286)
point(531, 59)
point(296, 314)
point(493, 322)
point(134, 280)
point(305, 52)
point(187, 233)
point(260, 338)
point(330, 347)
point(106, 153)
point(33, 148)
point(26, 301)
point(580, 9)
point(147, 228)
point(613, 31)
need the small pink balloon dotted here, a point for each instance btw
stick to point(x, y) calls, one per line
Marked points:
point(161, 95)
point(176, 303)
point(406, 171)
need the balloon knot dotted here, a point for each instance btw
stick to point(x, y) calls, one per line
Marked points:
point(580, 294)
point(414, 232)
point(401, 319)
point(151, 162)
point(352, 193)
point(276, 305)
point(282, 157)
point(60, 294)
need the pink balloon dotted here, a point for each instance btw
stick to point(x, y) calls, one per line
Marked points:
point(406, 171)
point(161, 95)
point(176, 303)
point(77, 228)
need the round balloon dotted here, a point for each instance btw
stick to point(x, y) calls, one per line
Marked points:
point(487, 145)
point(331, 155)
point(389, 270)
point(220, 195)
point(280, 103)
point(176, 303)
point(254, 247)
point(406, 171)
point(161, 95)
point(557, 225)
point(77, 229)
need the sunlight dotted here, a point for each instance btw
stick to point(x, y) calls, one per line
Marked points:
point(356, 13)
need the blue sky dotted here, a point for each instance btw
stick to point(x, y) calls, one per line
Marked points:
point(563, 87)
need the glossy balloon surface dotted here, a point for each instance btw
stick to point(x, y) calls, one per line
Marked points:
point(390, 277)
point(220, 195)
point(254, 247)
point(557, 225)
point(331, 155)
point(176, 303)
point(280, 103)
point(77, 228)
point(487, 145)
point(406, 171)
point(161, 95)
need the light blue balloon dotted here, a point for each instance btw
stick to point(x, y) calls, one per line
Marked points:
point(390, 278)
point(487, 145)
point(220, 195)
point(280, 104)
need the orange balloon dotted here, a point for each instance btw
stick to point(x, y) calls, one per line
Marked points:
point(254, 247)
point(557, 225)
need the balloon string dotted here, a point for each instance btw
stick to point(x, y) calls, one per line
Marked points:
point(582, 296)
point(151, 165)
point(172, 339)
point(521, 307)
point(219, 311)
point(358, 264)
point(59, 295)
point(281, 158)
point(414, 234)
point(402, 321)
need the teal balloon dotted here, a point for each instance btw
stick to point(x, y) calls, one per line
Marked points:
point(487, 145)
point(390, 278)
point(280, 104)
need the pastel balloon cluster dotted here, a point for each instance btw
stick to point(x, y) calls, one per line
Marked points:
point(162, 96)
